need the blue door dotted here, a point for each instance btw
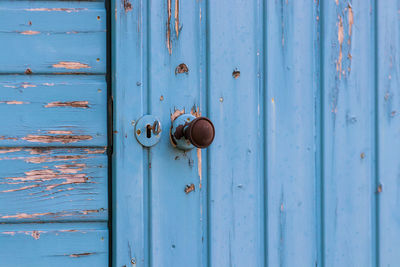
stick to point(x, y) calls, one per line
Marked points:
point(304, 168)
point(171, 133)
point(53, 134)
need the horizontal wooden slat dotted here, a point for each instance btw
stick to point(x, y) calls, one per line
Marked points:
point(53, 110)
point(76, 1)
point(54, 245)
point(52, 37)
point(53, 184)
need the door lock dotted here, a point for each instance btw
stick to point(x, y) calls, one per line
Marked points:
point(148, 130)
point(188, 132)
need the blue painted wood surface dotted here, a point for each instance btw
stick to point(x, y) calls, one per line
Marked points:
point(57, 244)
point(130, 236)
point(53, 134)
point(291, 113)
point(304, 167)
point(53, 110)
point(349, 134)
point(236, 198)
point(52, 37)
point(388, 132)
point(53, 184)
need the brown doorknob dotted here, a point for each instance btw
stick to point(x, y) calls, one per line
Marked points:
point(200, 132)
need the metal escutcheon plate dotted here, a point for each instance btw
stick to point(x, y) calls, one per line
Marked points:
point(148, 130)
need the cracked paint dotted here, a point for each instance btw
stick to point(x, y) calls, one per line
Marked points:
point(71, 65)
point(73, 104)
point(65, 139)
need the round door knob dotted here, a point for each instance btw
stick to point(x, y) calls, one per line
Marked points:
point(200, 132)
point(187, 132)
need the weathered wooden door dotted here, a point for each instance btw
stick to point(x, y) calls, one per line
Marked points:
point(53, 134)
point(304, 169)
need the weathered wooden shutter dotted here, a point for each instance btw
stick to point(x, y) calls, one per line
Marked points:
point(53, 134)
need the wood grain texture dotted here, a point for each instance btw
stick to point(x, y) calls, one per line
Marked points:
point(46, 184)
point(348, 115)
point(388, 104)
point(292, 103)
point(58, 37)
point(54, 244)
point(53, 110)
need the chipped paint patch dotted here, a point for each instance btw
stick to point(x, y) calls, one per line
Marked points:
point(44, 159)
point(20, 189)
point(177, 18)
point(30, 32)
point(68, 10)
point(379, 189)
point(182, 68)
point(48, 84)
point(68, 173)
point(236, 74)
point(350, 17)
point(8, 138)
point(68, 231)
point(59, 132)
point(71, 168)
point(71, 65)
point(53, 214)
point(96, 151)
point(195, 111)
point(35, 234)
point(80, 178)
point(168, 35)
point(26, 215)
point(340, 39)
point(73, 104)
point(35, 175)
point(27, 85)
point(127, 6)
point(13, 102)
point(65, 139)
point(86, 212)
point(177, 113)
point(11, 150)
point(189, 188)
point(80, 255)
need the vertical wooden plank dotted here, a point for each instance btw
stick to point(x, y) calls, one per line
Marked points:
point(128, 83)
point(176, 71)
point(349, 174)
point(236, 200)
point(388, 104)
point(292, 108)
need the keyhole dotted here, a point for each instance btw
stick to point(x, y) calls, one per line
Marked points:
point(148, 131)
